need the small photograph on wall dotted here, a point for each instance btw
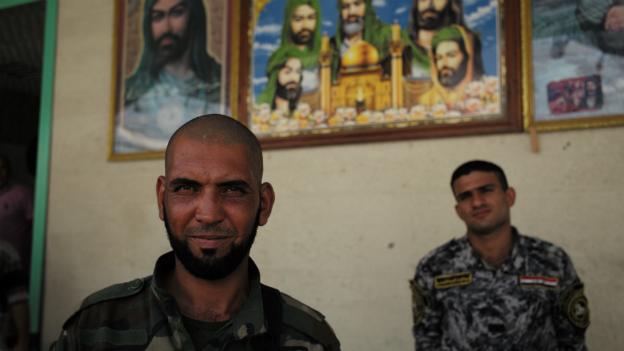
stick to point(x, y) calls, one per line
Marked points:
point(171, 64)
point(575, 62)
point(355, 67)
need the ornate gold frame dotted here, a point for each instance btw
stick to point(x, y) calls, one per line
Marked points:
point(232, 54)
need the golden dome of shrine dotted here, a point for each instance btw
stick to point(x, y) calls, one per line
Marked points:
point(361, 54)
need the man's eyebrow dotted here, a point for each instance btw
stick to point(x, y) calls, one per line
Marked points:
point(183, 181)
point(235, 183)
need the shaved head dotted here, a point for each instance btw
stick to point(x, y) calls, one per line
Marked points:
point(218, 129)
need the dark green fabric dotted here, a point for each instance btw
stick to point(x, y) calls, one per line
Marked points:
point(150, 318)
point(445, 34)
point(287, 49)
point(113, 337)
point(206, 333)
point(376, 32)
point(203, 65)
point(276, 62)
point(311, 59)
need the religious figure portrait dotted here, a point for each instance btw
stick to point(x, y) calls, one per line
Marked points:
point(361, 64)
point(171, 67)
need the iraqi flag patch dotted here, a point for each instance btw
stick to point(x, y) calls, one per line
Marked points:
point(537, 280)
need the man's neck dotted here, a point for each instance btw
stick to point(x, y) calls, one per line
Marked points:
point(424, 38)
point(354, 39)
point(180, 68)
point(494, 247)
point(209, 300)
point(282, 104)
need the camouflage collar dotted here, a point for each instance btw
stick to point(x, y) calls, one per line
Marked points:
point(249, 321)
point(515, 261)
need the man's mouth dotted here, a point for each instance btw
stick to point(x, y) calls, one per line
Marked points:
point(429, 14)
point(208, 241)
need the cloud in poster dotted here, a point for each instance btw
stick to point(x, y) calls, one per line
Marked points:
point(259, 80)
point(400, 10)
point(265, 47)
point(379, 3)
point(482, 14)
point(271, 28)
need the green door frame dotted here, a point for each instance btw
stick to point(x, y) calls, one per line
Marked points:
point(43, 157)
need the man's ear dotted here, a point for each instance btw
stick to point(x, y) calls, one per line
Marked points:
point(267, 199)
point(510, 195)
point(160, 196)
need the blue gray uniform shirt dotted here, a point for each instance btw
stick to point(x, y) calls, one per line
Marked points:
point(533, 301)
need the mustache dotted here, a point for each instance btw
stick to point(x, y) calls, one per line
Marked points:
point(429, 13)
point(210, 228)
point(353, 19)
point(175, 38)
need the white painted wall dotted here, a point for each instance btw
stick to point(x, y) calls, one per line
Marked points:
point(350, 222)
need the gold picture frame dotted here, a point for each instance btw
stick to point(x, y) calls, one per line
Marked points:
point(150, 98)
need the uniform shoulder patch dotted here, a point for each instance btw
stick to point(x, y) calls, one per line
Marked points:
point(307, 321)
point(112, 292)
point(575, 307)
point(419, 302)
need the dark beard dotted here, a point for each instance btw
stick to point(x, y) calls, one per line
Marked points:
point(456, 77)
point(169, 53)
point(290, 94)
point(300, 39)
point(433, 23)
point(209, 267)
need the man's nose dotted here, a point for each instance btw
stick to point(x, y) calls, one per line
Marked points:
point(477, 200)
point(209, 208)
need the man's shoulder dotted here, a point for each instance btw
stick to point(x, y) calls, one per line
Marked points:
point(113, 297)
point(444, 253)
point(306, 320)
point(539, 246)
point(543, 249)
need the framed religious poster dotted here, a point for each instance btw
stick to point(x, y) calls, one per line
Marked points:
point(172, 62)
point(340, 71)
point(573, 63)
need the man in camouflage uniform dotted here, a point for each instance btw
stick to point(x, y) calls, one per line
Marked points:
point(495, 289)
point(206, 294)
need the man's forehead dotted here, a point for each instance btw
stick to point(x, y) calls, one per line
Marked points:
point(474, 180)
point(293, 63)
point(303, 9)
point(164, 5)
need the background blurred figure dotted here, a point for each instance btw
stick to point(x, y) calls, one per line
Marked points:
point(16, 213)
point(13, 301)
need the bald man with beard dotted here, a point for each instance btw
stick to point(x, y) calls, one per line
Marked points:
point(206, 293)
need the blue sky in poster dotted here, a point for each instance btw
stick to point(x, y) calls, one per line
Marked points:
point(481, 16)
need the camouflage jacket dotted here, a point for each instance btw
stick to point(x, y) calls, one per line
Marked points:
point(140, 315)
point(534, 301)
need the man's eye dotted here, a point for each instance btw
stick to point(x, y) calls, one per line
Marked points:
point(233, 191)
point(183, 188)
point(157, 16)
point(178, 12)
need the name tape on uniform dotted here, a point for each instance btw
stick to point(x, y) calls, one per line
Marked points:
point(451, 280)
